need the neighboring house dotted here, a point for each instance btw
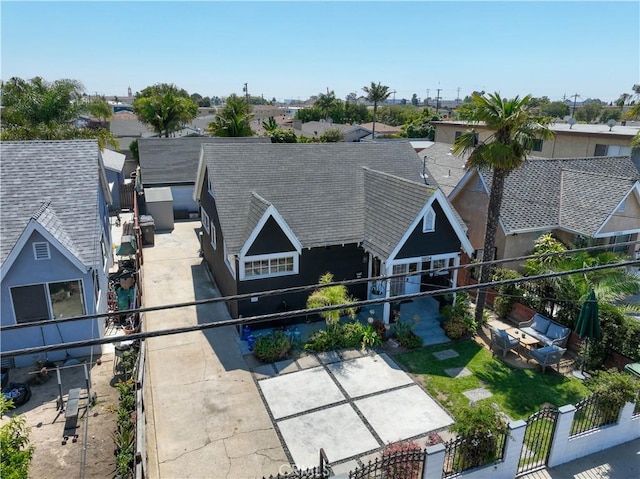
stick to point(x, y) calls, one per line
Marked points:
point(382, 129)
point(281, 215)
point(315, 129)
point(173, 162)
point(576, 199)
point(114, 168)
point(55, 243)
point(577, 141)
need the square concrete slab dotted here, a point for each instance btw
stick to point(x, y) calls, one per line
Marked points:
point(369, 374)
point(306, 362)
point(300, 391)
point(458, 372)
point(477, 394)
point(350, 354)
point(403, 413)
point(264, 371)
point(339, 430)
point(286, 366)
point(446, 354)
point(329, 357)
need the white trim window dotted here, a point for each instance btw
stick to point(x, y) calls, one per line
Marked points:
point(41, 250)
point(213, 235)
point(429, 221)
point(268, 266)
point(204, 217)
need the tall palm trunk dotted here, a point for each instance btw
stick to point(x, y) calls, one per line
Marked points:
point(493, 214)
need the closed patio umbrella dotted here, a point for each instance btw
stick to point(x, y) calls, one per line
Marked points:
point(588, 325)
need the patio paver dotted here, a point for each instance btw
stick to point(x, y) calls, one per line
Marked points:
point(329, 357)
point(306, 362)
point(446, 354)
point(477, 394)
point(286, 366)
point(458, 372)
point(300, 391)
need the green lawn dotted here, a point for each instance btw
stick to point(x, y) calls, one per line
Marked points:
point(518, 392)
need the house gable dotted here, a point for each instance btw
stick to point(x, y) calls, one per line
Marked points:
point(270, 239)
point(625, 218)
point(271, 213)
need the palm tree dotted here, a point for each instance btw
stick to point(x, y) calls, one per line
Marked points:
point(234, 120)
point(514, 131)
point(331, 296)
point(377, 94)
point(165, 108)
point(325, 103)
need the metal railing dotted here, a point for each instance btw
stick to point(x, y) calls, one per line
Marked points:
point(397, 465)
point(464, 453)
point(592, 413)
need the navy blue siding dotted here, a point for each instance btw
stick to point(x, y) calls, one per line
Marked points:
point(271, 239)
point(443, 240)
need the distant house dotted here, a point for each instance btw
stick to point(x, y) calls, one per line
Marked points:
point(114, 168)
point(596, 198)
point(382, 129)
point(577, 141)
point(281, 215)
point(315, 129)
point(55, 243)
point(173, 162)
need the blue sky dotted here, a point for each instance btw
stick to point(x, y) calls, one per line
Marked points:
point(299, 49)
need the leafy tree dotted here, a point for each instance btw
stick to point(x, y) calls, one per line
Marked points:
point(589, 112)
point(40, 110)
point(330, 296)
point(355, 113)
point(398, 115)
point(280, 135)
point(332, 136)
point(555, 109)
point(308, 114)
point(215, 100)
point(421, 127)
point(164, 107)
point(515, 130)
point(623, 99)
point(415, 100)
point(376, 94)
point(133, 148)
point(611, 114)
point(234, 120)
point(351, 97)
point(100, 109)
point(269, 125)
point(14, 444)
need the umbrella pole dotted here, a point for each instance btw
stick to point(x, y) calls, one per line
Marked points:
point(585, 356)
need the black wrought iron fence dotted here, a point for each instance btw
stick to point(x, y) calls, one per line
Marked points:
point(592, 413)
point(397, 465)
point(466, 453)
point(538, 439)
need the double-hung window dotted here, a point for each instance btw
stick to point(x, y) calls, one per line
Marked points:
point(268, 266)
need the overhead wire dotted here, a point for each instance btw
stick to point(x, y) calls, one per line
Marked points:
point(303, 312)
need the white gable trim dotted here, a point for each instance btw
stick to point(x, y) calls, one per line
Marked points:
point(465, 180)
point(202, 167)
point(32, 226)
point(271, 212)
point(598, 234)
point(442, 201)
point(103, 180)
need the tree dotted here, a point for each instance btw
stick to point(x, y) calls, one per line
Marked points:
point(14, 444)
point(234, 120)
point(555, 109)
point(356, 113)
point(269, 125)
point(100, 109)
point(415, 100)
point(164, 107)
point(514, 131)
point(330, 296)
point(40, 110)
point(589, 112)
point(421, 127)
point(332, 136)
point(280, 135)
point(376, 94)
point(326, 103)
point(610, 114)
point(351, 97)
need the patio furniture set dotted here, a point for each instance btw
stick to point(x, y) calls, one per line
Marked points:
point(540, 339)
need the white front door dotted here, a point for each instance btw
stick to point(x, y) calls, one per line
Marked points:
point(412, 283)
point(405, 284)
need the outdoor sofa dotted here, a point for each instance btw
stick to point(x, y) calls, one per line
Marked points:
point(545, 330)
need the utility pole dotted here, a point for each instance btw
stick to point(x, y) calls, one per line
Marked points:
point(394, 97)
point(458, 97)
point(427, 100)
point(245, 89)
point(438, 100)
point(575, 98)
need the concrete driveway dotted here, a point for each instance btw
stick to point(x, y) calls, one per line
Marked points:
point(205, 414)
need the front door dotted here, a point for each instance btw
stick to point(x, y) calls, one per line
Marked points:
point(405, 284)
point(412, 283)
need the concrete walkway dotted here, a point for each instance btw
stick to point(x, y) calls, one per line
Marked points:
point(205, 415)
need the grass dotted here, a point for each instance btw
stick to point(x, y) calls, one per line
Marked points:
point(518, 392)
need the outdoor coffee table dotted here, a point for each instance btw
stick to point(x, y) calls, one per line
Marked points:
point(527, 342)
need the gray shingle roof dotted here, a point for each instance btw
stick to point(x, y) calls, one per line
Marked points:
point(319, 189)
point(444, 169)
point(166, 161)
point(55, 183)
point(574, 193)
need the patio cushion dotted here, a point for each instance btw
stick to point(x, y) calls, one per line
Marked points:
point(556, 331)
point(540, 324)
point(503, 334)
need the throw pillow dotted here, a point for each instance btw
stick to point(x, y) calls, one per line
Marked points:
point(540, 324)
point(556, 331)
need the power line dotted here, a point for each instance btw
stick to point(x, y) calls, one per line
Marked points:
point(298, 289)
point(300, 312)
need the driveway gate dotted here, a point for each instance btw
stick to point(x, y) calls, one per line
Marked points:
point(538, 438)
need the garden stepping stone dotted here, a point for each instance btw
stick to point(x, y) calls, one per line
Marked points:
point(264, 371)
point(446, 354)
point(458, 372)
point(329, 357)
point(306, 362)
point(477, 394)
point(286, 366)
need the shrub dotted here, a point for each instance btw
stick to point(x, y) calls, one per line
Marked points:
point(380, 328)
point(14, 444)
point(507, 294)
point(402, 469)
point(405, 335)
point(614, 389)
point(459, 319)
point(272, 347)
point(370, 337)
point(339, 336)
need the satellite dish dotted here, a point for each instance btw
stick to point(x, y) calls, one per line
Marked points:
point(611, 123)
point(572, 121)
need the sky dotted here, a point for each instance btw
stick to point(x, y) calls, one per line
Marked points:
point(296, 49)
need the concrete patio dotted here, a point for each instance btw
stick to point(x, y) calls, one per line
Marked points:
point(351, 403)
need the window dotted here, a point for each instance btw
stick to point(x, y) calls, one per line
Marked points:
point(612, 150)
point(213, 235)
point(205, 220)
point(537, 145)
point(270, 266)
point(429, 221)
point(41, 251)
point(437, 264)
point(40, 302)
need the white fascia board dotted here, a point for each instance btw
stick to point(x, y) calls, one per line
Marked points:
point(461, 184)
point(598, 234)
point(271, 211)
point(32, 226)
point(197, 190)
